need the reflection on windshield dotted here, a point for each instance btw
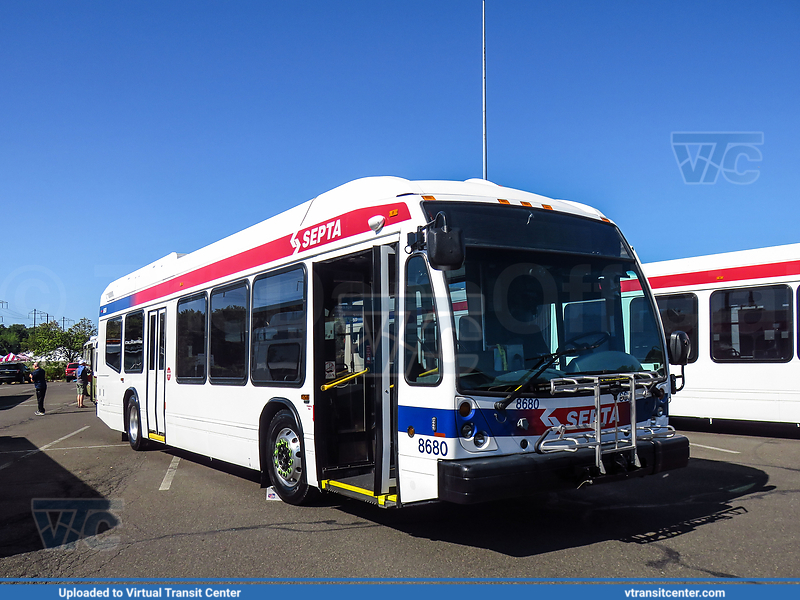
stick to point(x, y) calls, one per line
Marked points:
point(515, 310)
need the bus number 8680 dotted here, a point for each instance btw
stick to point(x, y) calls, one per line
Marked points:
point(434, 447)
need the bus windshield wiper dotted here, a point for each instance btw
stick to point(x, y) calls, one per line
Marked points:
point(570, 348)
point(544, 363)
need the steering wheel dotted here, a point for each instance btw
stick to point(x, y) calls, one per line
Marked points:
point(604, 336)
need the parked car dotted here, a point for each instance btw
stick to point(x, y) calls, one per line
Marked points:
point(14, 372)
point(69, 372)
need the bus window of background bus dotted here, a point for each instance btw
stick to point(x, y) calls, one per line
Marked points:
point(422, 351)
point(679, 313)
point(752, 324)
point(133, 346)
point(645, 342)
point(114, 343)
point(191, 351)
point(279, 327)
point(228, 334)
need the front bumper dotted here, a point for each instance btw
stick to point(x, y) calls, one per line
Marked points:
point(494, 478)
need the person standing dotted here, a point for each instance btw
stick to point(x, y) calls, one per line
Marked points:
point(82, 375)
point(39, 380)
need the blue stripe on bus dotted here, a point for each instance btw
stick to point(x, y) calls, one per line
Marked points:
point(421, 419)
point(116, 306)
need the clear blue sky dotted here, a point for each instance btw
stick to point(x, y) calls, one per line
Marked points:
point(130, 129)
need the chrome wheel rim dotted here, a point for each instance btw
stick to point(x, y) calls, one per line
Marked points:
point(133, 423)
point(287, 459)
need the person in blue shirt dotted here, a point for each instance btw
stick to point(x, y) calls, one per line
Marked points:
point(82, 375)
point(39, 380)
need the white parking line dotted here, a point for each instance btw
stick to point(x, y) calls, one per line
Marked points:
point(173, 466)
point(68, 448)
point(45, 447)
point(90, 447)
point(713, 448)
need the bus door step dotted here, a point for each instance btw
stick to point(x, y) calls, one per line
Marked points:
point(351, 490)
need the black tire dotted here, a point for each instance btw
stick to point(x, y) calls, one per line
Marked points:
point(285, 457)
point(133, 425)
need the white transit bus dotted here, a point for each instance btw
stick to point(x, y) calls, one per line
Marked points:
point(400, 342)
point(740, 312)
point(89, 352)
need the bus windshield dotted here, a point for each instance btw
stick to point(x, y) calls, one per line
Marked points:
point(528, 315)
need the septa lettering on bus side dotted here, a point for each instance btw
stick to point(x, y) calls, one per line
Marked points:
point(317, 235)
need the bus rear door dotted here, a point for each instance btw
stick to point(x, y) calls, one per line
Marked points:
point(156, 374)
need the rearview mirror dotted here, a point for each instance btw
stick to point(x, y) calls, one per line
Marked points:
point(445, 248)
point(679, 347)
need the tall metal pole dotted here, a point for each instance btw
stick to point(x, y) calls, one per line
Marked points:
point(485, 150)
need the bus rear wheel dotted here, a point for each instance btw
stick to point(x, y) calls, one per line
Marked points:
point(285, 458)
point(134, 425)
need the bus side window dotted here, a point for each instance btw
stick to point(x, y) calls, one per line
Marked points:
point(114, 343)
point(191, 340)
point(752, 324)
point(134, 343)
point(279, 327)
point(228, 334)
point(421, 343)
point(679, 313)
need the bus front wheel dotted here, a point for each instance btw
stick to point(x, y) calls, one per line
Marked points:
point(285, 458)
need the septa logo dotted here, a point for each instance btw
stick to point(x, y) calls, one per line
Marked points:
point(316, 235)
point(583, 417)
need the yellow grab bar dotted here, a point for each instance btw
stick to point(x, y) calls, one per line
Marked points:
point(325, 387)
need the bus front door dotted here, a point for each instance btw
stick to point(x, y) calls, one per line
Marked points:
point(354, 301)
point(156, 380)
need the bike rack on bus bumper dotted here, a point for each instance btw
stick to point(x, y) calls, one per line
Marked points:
point(624, 437)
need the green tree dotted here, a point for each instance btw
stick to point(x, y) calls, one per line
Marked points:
point(75, 337)
point(13, 339)
point(48, 339)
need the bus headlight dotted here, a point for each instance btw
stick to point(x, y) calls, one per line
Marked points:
point(467, 430)
point(481, 439)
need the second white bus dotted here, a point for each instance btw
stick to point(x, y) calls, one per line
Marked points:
point(740, 311)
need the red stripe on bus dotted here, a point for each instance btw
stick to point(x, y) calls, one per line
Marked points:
point(765, 271)
point(350, 224)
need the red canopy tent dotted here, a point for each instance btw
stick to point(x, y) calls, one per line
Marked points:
point(14, 358)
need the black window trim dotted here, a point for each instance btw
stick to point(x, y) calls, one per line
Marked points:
point(740, 361)
point(248, 291)
point(117, 319)
point(304, 344)
point(438, 382)
point(192, 298)
point(124, 332)
point(694, 354)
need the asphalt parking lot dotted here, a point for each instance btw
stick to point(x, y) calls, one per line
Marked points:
point(731, 514)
